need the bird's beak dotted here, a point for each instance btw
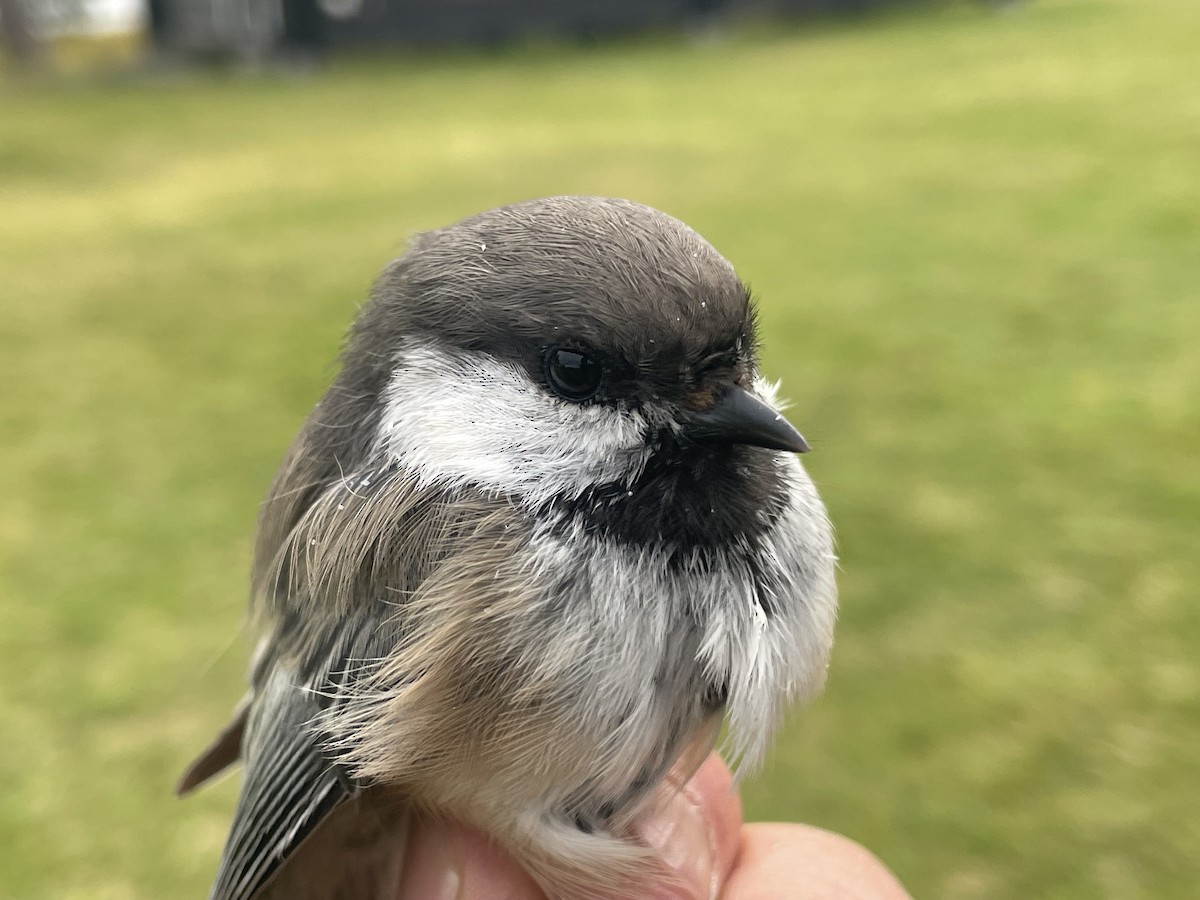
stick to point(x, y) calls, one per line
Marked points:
point(739, 417)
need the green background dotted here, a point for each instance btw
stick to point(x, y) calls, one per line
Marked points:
point(976, 239)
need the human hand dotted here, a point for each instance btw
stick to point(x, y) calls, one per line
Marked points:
point(699, 835)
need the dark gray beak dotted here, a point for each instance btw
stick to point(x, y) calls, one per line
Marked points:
point(739, 417)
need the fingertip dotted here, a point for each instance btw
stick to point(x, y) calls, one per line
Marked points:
point(490, 872)
point(695, 833)
point(433, 864)
point(807, 863)
point(448, 861)
point(715, 794)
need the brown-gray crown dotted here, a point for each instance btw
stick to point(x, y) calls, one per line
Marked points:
point(659, 304)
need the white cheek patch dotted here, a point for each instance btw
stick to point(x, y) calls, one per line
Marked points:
point(457, 420)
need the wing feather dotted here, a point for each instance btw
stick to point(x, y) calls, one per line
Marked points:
point(222, 753)
point(288, 788)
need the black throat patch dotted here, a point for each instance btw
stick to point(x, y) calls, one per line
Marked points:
point(689, 499)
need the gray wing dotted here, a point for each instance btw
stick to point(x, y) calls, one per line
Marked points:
point(288, 788)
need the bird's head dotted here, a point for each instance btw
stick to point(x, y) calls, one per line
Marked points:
point(585, 355)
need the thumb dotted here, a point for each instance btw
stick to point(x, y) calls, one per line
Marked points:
point(696, 833)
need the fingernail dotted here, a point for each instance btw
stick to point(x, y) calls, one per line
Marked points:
point(680, 833)
point(433, 866)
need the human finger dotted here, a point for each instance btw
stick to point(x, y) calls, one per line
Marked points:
point(800, 862)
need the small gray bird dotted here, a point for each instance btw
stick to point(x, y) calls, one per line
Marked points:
point(543, 533)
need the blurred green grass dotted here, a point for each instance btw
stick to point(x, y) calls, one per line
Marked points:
point(976, 239)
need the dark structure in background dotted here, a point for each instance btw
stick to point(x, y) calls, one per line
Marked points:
point(260, 28)
point(17, 35)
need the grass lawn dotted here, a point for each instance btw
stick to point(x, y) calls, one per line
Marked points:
point(976, 238)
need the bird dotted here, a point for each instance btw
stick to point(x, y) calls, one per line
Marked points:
point(544, 535)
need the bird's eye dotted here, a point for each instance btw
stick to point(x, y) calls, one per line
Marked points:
point(573, 375)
